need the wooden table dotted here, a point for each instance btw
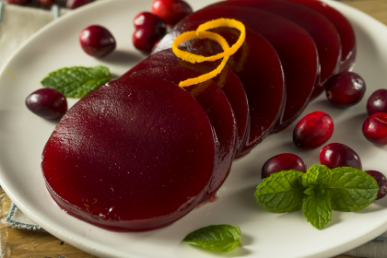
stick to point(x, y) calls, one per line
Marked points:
point(19, 243)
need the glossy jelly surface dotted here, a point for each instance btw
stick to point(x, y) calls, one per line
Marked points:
point(219, 111)
point(133, 155)
point(295, 48)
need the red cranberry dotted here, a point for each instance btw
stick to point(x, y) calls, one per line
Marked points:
point(144, 39)
point(46, 2)
point(72, 4)
point(375, 128)
point(97, 41)
point(18, 2)
point(336, 155)
point(313, 130)
point(285, 161)
point(382, 182)
point(171, 11)
point(149, 20)
point(47, 103)
point(345, 89)
point(377, 102)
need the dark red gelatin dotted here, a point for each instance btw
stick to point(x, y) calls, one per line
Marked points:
point(343, 27)
point(296, 50)
point(320, 29)
point(345, 89)
point(336, 155)
point(313, 130)
point(375, 128)
point(228, 81)
point(377, 102)
point(171, 11)
point(218, 109)
point(133, 155)
point(382, 182)
point(285, 161)
point(73, 4)
point(97, 41)
point(47, 103)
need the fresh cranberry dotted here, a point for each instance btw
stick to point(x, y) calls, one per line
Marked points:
point(336, 155)
point(171, 11)
point(144, 39)
point(72, 4)
point(149, 20)
point(375, 128)
point(345, 89)
point(313, 130)
point(18, 2)
point(377, 102)
point(97, 41)
point(285, 161)
point(47, 103)
point(46, 2)
point(382, 182)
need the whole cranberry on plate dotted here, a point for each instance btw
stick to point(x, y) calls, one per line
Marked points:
point(73, 4)
point(336, 155)
point(345, 89)
point(171, 11)
point(47, 103)
point(377, 102)
point(313, 130)
point(375, 128)
point(97, 41)
point(46, 2)
point(284, 161)
point(149, 30)
point(382, 182)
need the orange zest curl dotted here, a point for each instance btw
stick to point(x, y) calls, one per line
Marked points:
point(203, 33)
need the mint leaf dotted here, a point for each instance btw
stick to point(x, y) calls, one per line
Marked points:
point(317, 175)
point(220, 238)
point(317, 208)
point(77, 81)
point(281, 192)
point(351, 189)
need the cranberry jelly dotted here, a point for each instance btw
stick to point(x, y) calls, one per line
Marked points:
point(320, 29)
point(228, 81)
point(296, 50)
point(133, 155)
point(343, 27)
point(218, 110)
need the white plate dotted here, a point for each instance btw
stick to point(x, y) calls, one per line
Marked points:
point(23, 135)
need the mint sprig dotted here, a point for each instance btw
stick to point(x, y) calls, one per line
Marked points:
point(77, 81)
point(317, 192)
point(219, 238)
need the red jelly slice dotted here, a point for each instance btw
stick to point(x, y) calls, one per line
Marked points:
point(347, 35)
point(219, 111)
point(319, 28)
point(296, 49)
point(228, 81)
point(259, 68)
point(133, 155)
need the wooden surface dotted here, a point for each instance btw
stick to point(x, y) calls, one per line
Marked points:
point(21, 243)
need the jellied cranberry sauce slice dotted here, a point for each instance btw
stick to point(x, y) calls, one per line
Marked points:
point(219, 111)
point(319, 28)
point(342, 25)
point(259, 68)
point(296, 49)
point(228, 81)
point(133, 155)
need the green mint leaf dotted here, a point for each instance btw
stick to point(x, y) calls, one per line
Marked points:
point(220, 238)
point(317, 208)
point(281, 192)
point(351, 189)
point(77, 81)
point(317, 175)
